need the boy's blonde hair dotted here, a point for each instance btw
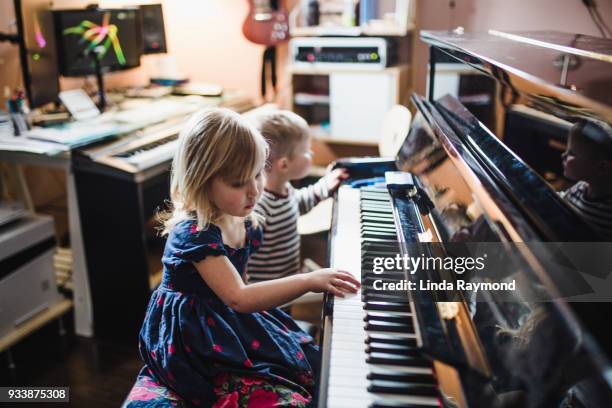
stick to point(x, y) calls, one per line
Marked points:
point(214, 143)
point(283, 130)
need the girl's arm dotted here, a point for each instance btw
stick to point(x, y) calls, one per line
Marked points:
point(221, 276)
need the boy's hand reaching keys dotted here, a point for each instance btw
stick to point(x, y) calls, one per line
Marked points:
point(334, 178)
point(334, 281)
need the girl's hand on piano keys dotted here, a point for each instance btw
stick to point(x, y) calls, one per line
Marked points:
point(334, 281)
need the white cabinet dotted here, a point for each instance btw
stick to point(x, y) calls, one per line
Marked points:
point(358, 102)
point(350, 105)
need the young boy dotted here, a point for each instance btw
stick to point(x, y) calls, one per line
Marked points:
point(588, 160)
point(290, 159)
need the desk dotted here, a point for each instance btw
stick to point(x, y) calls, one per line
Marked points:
point(82, 300)
point(83, 307)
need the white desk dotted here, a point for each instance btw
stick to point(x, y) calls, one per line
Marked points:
point(82, 301)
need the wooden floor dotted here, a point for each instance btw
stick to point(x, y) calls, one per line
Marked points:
point(99, 375)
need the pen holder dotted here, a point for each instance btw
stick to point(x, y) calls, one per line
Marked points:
point(20, 124)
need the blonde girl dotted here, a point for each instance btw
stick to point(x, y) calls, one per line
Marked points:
point(207, 336)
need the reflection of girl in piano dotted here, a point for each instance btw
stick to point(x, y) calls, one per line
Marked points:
point(206, 335)
point(588, 160)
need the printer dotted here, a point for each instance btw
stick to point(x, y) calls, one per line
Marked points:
point(27, 278)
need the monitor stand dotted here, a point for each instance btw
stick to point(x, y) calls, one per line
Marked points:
point(100, 79)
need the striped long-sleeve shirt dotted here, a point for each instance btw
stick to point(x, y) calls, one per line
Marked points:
point(279, 254)
point(598, 213)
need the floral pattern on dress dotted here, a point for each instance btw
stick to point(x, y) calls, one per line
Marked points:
point(235, 391)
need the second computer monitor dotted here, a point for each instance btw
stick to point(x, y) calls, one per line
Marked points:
point(114, 36)
point(37, 51)
point(153, 32)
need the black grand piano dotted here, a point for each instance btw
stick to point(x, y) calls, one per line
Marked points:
point(476, 168)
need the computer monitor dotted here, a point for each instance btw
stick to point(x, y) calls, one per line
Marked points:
point(37, 51)
point(153, 33)
point(115, 35)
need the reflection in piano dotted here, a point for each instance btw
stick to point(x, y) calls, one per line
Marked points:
point(417, 348)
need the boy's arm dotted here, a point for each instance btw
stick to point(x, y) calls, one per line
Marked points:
point(311, 195)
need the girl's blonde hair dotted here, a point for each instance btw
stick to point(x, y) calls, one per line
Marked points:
point(215, 142)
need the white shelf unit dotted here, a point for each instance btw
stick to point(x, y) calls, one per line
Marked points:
point(402, 13)
point(353, 101)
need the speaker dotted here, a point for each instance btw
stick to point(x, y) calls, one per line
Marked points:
point(153, 33)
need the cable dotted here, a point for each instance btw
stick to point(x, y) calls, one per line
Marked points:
point(603, 34)
point(601, 20)
point(596, 17)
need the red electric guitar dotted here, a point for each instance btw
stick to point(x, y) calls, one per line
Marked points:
point(266, 24)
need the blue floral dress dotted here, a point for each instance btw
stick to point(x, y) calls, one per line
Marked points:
point(208, 353)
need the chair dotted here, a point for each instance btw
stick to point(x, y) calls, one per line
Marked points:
point(394, 130)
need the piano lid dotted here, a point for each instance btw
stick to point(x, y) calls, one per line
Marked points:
point(568, 73)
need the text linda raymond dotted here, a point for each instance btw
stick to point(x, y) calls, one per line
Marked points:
point(459, 265)
point(444, 285)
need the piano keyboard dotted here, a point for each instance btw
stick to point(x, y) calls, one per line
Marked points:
point(150, 154)
point(374, 359)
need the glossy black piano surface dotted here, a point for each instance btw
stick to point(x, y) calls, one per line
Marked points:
point(531, 347)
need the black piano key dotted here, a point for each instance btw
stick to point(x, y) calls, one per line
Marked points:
point(375, 199)
point(375, 196)
point(378, 235)
point(393, 350)
point(385, 231)
point(376, 211)
point(403, 315)
point(382, 247)
point(367, 196)
point(367, 263)
point(376, 204)
point(404, 361)
point(371, 277)
point(388, 306)
point(377, 217)
point(369, 286)
point(375, 234)
point(389, 298)
point(367, 224)
point(388, 319)
point(377, 225)
point(388, 387)
point(403, 377)
point(387, 221)
point(395, 296)
point(386, 296)
point(386, 339)
point(369, 240)
point(401, 295)
point(382, 326)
